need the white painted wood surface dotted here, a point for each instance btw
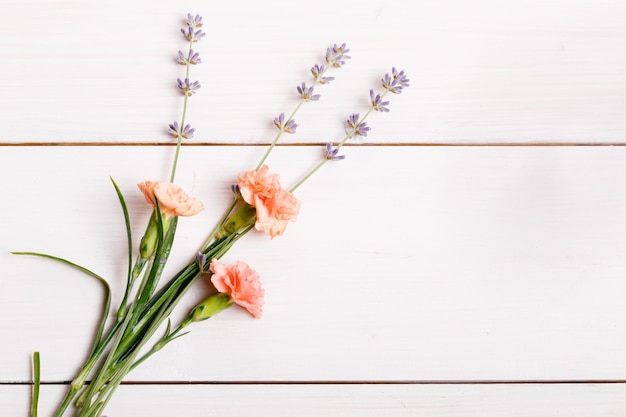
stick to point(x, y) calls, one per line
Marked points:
point(482, 71)
point(409, 264)
point(553, 400)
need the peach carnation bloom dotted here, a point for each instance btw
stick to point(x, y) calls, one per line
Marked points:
point(240, 282)
point(274, 205)
point(173, 201)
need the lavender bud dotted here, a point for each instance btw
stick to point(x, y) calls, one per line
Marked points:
point(332, 153)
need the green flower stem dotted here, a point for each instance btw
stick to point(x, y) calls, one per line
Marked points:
point(179, 140)
point(130, 334)
point(79, 381)
point(167, 338)
point(163, 246)
point(211, 306)
point(171, 288)
point(99, 377)
point(309, 174)
point(116, 374)
point(219, 225)
point(121, 359)
point(178, 285)
point(104, 395)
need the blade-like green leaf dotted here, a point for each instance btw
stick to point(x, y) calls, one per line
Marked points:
point(128, 227)
point(107, 304)
point(36, 384)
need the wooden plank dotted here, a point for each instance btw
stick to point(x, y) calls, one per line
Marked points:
point(574, 400)
point(485, 71)
point(407, 263)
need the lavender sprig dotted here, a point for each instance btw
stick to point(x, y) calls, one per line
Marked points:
point(181, 131)
point(335, 58)
point(354, 125)
point(394, 83)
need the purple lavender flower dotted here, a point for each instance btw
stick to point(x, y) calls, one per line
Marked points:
point(175, 131)
point(354, 127)
point(288, 127)
point(336, 56)
point(306, 93)
point(317, 72)
point(332, 153)
point(377, 102)
point(396, 82)
point(192, 58)
point(172, 130)
point(187, 87)
point(193, 35)
point(200, 260)
point(194, 21)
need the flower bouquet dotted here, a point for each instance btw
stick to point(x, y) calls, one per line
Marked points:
point(141, 324)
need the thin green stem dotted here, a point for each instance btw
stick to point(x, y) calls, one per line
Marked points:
point(162, 343)
point(105, 394)
point(114, 375)
point(179, 139)
point(219, 225)
point(135, 337)
point(140, 325)
point(309, 174)
point(79, 381)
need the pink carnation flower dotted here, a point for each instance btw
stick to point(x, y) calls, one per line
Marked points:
point(173, 201)
point(274, 205)
point(240, 282)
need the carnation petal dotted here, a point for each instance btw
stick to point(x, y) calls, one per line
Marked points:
point(241, 283)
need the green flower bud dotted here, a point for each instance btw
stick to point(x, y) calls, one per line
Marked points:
point(150, 239)
point(244, 216)
point(211, 306)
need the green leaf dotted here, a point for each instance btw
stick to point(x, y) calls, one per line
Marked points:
point(107, 304)
point(128, 227)
point(130, 278)
point(36, 384)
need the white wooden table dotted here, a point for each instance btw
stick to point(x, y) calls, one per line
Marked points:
point(484, 275)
